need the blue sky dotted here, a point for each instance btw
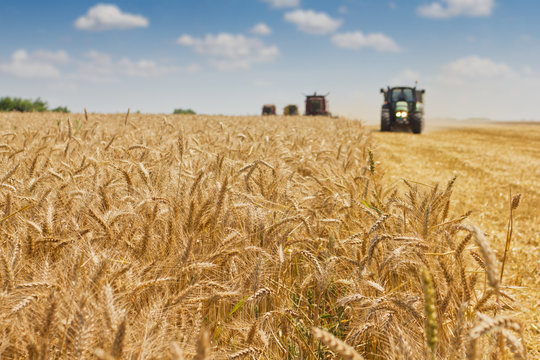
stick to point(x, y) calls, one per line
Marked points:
point(475, 58)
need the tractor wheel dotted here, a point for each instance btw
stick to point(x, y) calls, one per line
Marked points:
point(417, 123)
point(385, 120)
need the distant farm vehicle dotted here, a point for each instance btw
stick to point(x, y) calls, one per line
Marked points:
point(316, 105)
point(269, 109)
point(403, 106)
point(290, 110)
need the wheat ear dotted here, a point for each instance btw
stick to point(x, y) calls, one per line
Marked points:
point(430, 300)
point(488, 255)
point(336, 345)
point(513, 205)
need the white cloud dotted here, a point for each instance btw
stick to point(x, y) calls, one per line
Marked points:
point(407, 77)
point(230, 51)
point(261, 29)
point(474, 68)
point(55, 57)
point(283, 3)
point(450, 8)
point(186, 40)
point(144, 68)
point(343, 9)
point(193, 68)
point(98, 57)
point(357, 40)
point(98, 67)
point(109, 17)
point(39, 64)
point(527, 70)
point(313, 22)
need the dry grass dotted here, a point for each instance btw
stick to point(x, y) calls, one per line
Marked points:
point(193, 237)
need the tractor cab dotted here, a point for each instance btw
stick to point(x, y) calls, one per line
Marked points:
point(400, 95)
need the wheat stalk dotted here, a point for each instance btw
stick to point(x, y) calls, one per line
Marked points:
point(336, 345)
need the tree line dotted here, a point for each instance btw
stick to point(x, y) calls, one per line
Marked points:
point(27, 105)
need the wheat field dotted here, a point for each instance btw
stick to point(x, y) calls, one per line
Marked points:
point(198, 237)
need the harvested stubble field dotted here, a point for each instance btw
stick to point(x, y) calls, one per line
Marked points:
point(490, 160)
point(193, 237)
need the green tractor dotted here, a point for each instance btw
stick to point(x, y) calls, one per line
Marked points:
point(403, 107)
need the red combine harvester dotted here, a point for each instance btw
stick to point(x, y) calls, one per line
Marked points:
point(316, 105)
point(269, 109)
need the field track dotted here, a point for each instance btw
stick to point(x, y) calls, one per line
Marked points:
point(488, 159)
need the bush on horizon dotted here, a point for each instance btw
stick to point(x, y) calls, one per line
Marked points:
point(184, 111)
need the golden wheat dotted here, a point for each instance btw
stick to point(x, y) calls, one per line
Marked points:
point(131, 236)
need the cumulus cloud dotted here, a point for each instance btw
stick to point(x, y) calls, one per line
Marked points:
point(474, 68)
point(261, 29)
point(144, 68)
point(406, 77)
point(230, 51)
point(96, 67)
point(55, 57)
point(109, 17)
point(313, 22)
point(100, 67)
point(98, 57)
point(283, 3)
point(450, 8)
point(358, 40)
point(92, 66)
point(527, 70)
point(343, 9)
point(39, 64)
